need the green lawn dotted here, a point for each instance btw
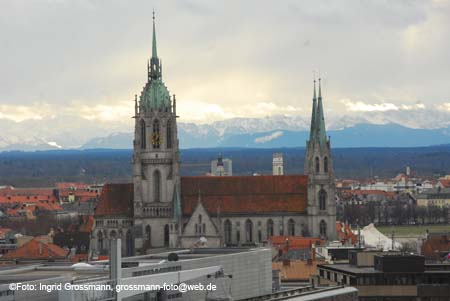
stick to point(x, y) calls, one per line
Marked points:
point(413, 229)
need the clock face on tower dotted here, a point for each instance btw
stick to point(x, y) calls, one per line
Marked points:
point(156, 139)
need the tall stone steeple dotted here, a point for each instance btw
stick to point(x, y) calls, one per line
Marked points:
point(156, 174)
point(154, 70)
point(319, 168)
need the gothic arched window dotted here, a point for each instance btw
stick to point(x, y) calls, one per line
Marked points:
point(156, 137)
point(317, 164)
point(291, 227)
point(113, 234)
point(166, 235)
point(322, 199)
point(227, 231)
point(280, 228)
point(325, 164)
point(248, 231)
point(323, 228)
point(157, 186)
point(129, 243)
point(100, 240)
point(143, 134)
point(169, 134)
point(148, 235)
point(269, 228)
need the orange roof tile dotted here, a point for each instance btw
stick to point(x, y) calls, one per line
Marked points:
point(436, 243)
point(116, 199)
point(296, 270)
point(345, 233)
point(296, 242)
point(245, 194)
point(36, 249)
point(445, 183)
point(88, 225)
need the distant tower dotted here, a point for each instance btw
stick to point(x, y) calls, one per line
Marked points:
point(319, 168)
point(220, 171)
point(408, 171)
point(221, 166)
point(156, 176)
point(277, 164)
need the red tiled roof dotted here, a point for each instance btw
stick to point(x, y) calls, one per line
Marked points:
point(445, 183)
point(71, 185)
point(43, 192)
point(31, 250)
point(296, 270)
point(4, 231)
point(295, 242)
point(116, 199)
point(346, 234)
point(435, 244)
point(88, 224)
point(245, 194)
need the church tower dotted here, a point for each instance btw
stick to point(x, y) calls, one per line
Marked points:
point(319, 168)
point(156, 175)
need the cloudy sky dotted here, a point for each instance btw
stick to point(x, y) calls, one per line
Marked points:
point(223, 58)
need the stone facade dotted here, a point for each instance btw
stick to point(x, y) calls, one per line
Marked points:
point(170, 211)
point(319, 168)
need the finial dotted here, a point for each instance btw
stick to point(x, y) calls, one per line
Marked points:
point(320, 88)
point(153, 15)
point(314, 80)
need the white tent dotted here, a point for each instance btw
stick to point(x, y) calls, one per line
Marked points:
point(375, 239)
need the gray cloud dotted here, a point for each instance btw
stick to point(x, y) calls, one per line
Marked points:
point(80, 54)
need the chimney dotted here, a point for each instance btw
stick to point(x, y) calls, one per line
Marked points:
point(313, 253)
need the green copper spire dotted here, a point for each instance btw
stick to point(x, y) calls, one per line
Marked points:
point(155, 95)
point(154, 52)
point(313, 115)
point(154, 72)
point(320, 119)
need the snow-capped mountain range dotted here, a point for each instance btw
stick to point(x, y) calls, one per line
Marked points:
point(390, 128)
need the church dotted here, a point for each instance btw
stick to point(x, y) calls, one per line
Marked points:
point(162, 209)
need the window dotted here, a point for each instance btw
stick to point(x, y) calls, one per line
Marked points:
point(157, 186)
point(269, 228)
point(148, 234)
point(143, 135)
point(291, 227)
point(325, 164)
point(248, 231)
point(227, 232)
point(317, 164)
point(156, 138)
point(322, 199)
point(100, 240)
point(323, 228)
point(280, 228)
point(169, 134)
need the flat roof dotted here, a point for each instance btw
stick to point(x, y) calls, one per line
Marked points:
point(348, 268)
